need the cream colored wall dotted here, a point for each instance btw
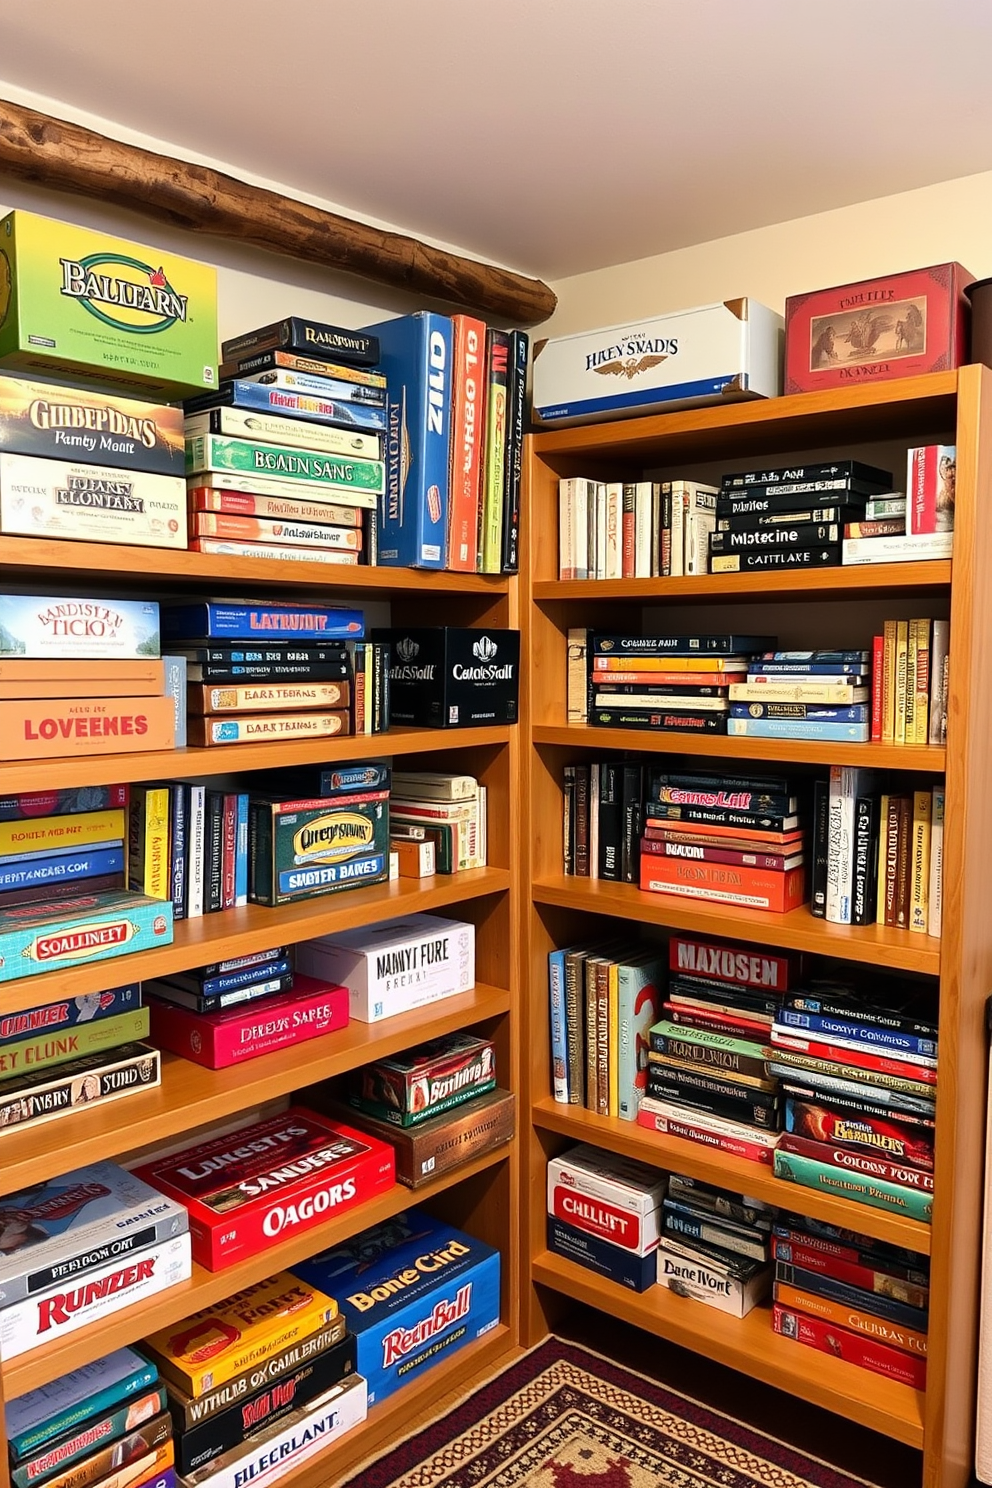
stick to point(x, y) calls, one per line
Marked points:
point(936, 224)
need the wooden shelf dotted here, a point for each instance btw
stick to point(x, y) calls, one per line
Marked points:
point(238, 932)
point(858, 581)
point(190, 1096)
point(877, 945)
point(169, 568)
point(171, 764)
point(724, 746)
point(204, 1288)
point(750, 1345)
point(677, 1155)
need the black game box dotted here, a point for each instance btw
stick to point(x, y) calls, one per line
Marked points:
point(444, 677)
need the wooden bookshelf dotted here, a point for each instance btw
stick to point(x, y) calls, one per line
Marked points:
point(838, 606)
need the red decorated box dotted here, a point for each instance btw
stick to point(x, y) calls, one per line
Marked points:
point(235, 1035)
point(878, 329)
point(254, 1187)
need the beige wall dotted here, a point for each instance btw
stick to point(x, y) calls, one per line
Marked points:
point(936, 224)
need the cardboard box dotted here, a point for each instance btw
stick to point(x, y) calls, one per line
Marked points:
point(52, 728)
point(422, 1083)
point(877, 329)
point(91, 503)
point(90, 928)
point(109, 311)
point(302, 848)
point(68, 630)
point(397, 966)
point(413, 1290)
point(635, 1272)
point(43, 1416)
point(608, 1196)
point(732, 1286)
point(56, 422)
point(445, 677)
point(425, 1152)
point(237, 1034)
point(714, 354)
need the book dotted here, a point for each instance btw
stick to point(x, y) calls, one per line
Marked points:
point(938, 682)
point(935, 891)
point(847, 784)
point(919, 892)
point(898, 549)
point(309, 338)
point(515, 425)
point(930, 479)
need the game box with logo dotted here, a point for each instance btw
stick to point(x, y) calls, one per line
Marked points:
point(447, 677)
point(611, 1197)
point(396, 966)
point(413, 1290)
point(300, 848)
point(69, 423)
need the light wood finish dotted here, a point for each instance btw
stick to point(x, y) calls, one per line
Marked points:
point(748, 1344)
point(169, 764)
point(878, 945)
point(675, 1154)
point(726, 747)
point(63, 156)
point(876, 423)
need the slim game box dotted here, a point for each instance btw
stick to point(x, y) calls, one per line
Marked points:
point(67, 630)
point(104, 309)
point(311, 338)
point(412, 1290)
point(235, 1035)
point(91, 927)
point(268, 1181)
point(104, 1427)
point(73, 501)
point(145, 1449)
point(74, 1012)
point(225, 621)
point(70, 423)
point(421, 1083)
point(734, 1285)
point(52, 1411)
point(898, 325)
point(625, 1267)
point(608, 1196)
point(90, 1080)
point(446, 677)
point(396, 966)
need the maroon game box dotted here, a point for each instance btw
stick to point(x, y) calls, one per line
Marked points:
point(877, 329)
point(234, 1035)
point(266, 1182)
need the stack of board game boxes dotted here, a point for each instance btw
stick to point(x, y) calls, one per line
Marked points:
point(84, 676)
point(918, 524)
point(823, 695)
point(730, 839)
point(81, 1247)
point(439, 814)
point(708, 1077)
point(859, 1083)
point(852, 1297)
point(715, 1246)
point(668, 682)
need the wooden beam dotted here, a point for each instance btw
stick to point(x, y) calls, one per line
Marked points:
point(67, 157)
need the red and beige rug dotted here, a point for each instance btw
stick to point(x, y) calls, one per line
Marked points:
point(562, 1417)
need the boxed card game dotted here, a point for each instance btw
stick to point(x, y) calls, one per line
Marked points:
point(230, 620)
point(413, 1290)
point(714, 354)
point(625, 1267)
point(65, 1227)
point(408, 1088)
point(300, 848)
point(446, 677)
point(70, 423)
point(52, 1411)
point(145, 1450)
point(217, 1343)
point(433, 1147)
point(36, 627)
point(734, 1284)
point(74, 1303)
point(103, 309)
point(396, 966)
point(91, 927)
point(609, 1196)
point(90, 503)
point(268, 1181)
point(897, 325)
point(236, 1034)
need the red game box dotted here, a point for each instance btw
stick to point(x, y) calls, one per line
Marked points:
point(877, 329)
point(280, 1177)
point(237, 1034)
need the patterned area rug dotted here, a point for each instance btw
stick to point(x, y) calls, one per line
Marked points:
point(562, 1417)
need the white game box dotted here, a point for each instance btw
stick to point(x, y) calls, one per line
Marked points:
point(395, 967)
point(714, 354)
point(609, 1196)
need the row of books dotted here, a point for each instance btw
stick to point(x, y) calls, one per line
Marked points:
point(792, 517)
point(910, 663)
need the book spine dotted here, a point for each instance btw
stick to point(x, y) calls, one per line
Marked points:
point(901, 664)
point(938, 681)
point(863, 905)
point(859, 1162)
point(912, 652)
point(416, 358)
point(568, 821)
point(595, 778)
point(214, 857)
point(467, 411)
point(824, 1178)
point(241, 850)
point(904, 862)
point(494, 485)
point(920, 679)
point(574, 1023)
point(677, 560)
point(582, 815)
point(559, 1046)
point(613, 1048)
point(631, 822)
point(597, 531)
point(919, 897)
point(665, 544)
point(748, 888)
point(681, 1124)
point(179, 799)
point(591, 1035)
point(515, 417)
point(577, 682)
point(566, 531)
point(877, 687)
point(628, 530)
point(610, 823)
point(614, 524)
point(844, 1343)
point(639, 1006)
point(603, 1037)
point(840, 848)
point(196, 852)
point(936, 887)
point(150, 862)
point(643, 501)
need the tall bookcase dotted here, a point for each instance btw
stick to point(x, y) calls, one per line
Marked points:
point(481, 1196)
point(827, 607)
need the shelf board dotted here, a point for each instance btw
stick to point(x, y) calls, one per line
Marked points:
point(191, 1096)
point(171, 764)
point(725, 746)
point(171, 568)
point(907, 405)
point(205, 1288)
point(724, 1171)
point(856, 580)
point(877, 945)
point(747, 1344)
point(255, 927)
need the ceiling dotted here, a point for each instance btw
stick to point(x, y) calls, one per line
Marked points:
point(553, 136)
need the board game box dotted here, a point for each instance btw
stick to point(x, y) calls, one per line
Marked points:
point(609, 1196)
point(147, 1447)
point(274, 1179)
point(421, 1083)
point(63, 629)
point(88, 1081)
point(396, 966)
point(46, 1049)
point(301, 848)
point(89, 928)
point(236, 1034)
point(70, 423)
point(445, 676)
point(52, 1411)
point(106, 1426)
point(733, 1285)
point(90, 503)
point(55, 1017)
point(433, 1147)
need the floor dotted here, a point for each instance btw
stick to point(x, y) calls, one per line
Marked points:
point(806, 1427)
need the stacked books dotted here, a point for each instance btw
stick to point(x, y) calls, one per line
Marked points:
point(670, 682)
point(910, 662)
point(822, 695)
point(914, 526)
point(877, 856)
point(634, 530)
point(728, 839)
point(859, 1076)
point(602, 819)
point(284, 459)
point(715, 1246)
point(603, 1001)
point(442, 808)
point(604, 1213)
point(84, 676)
point(264, 672)
point(707, 1078)
point(792, 517)
point(105, 1424)
point(267, 1375)
point(79, 1248)
point(852, 1297)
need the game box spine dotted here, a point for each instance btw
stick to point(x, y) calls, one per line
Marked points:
point(311, 338)
point(494, 474)
point(819, 1284)
point(103, 1427)
point(515, 422)
point(824, 1178)
point(842, 1343)
point(730, 1137)
point(467, 426)
point(869, 1164)
point(863, 1273)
